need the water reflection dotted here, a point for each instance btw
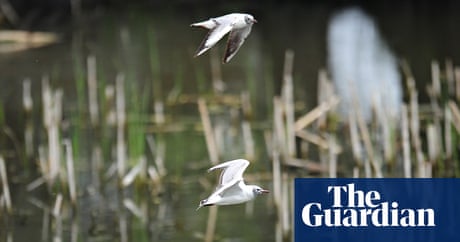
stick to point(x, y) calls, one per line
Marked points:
point(363, 68)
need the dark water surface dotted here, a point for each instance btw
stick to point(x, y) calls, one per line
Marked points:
point(154, 49)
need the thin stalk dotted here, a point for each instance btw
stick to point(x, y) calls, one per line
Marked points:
point(457, 83)
point(405, 142)
point(121, 120)
point(27, 103)
point(5, 187)
point(211, 226)
point(209, 135)
point(92, 90)
point(70, 172)
point(288, 101)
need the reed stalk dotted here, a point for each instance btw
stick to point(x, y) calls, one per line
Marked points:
point(435, 78)
point(332, 156)
point(246, 126)
point(356, 146)
point(211, 225)
point(158, 152)
point(288, 102)
point(5, 187)
point(134, 172)
point(457, 83)
point(366, 137)
point(285, 202)
point(455, 115)
point(27, 103)
point(448, 133)
point(70, 172)
point(407, 165)
point(52, 111)
point(92, 90)
point(414, 122)
point(450, 77)
point(208, 133)
point(74, 230)
point(278, 129)
point(121, 121)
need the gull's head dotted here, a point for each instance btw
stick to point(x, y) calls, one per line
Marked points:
point(258, 190)
point(249, 19)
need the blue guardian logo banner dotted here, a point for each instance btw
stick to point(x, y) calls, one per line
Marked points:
point(377, 210)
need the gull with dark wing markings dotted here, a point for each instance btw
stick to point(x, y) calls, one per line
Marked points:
point(237, 24)
point(231, 188)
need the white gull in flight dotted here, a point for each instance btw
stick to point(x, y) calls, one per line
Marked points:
point(231, 188)
point(237, 24)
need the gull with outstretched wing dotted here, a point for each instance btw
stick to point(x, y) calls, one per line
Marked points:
point(238, 25)
point(231, 188)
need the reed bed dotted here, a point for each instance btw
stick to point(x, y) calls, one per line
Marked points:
point(126, 131)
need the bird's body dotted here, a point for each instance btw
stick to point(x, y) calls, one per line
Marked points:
point(231, 188)
point(238, 25)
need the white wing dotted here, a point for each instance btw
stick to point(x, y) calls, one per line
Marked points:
point(233, 171)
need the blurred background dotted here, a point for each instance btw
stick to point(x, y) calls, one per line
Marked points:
point(104, 111)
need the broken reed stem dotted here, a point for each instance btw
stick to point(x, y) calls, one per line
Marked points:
point(405, 142)
point(455, 115)
point(5, 187)
point(92, 90)
point(159, 111)
point(316, 113)
point(317, 140)
point(158, 151)
point(52, 112)
point(208, 133)
point(121, 121)
point(435, 78)
point(57, 206)
point(134, 172)
point(288, 101)
point(70, 172)
point(58, 218)
point(134, 209)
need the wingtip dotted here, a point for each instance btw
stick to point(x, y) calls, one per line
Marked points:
point(225, 60)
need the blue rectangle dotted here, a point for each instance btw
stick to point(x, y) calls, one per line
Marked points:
point(377, 210)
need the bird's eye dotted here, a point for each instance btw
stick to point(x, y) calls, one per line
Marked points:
point(247, 19)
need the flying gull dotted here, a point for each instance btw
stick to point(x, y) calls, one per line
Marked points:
point(231, 188)
point(237, 24)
